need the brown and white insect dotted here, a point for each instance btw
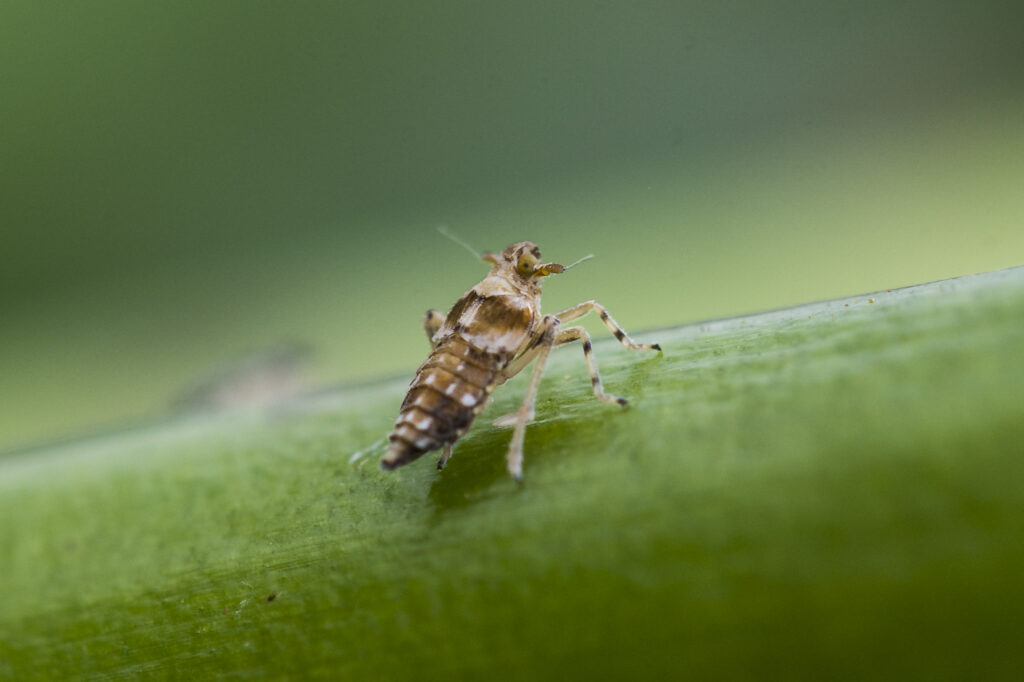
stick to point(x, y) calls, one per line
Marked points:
point(491, 334)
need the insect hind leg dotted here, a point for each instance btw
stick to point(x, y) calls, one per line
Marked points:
point(525, 413)
point(445, 456)
point(580, 334)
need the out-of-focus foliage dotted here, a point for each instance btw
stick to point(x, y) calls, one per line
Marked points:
point(187, 183)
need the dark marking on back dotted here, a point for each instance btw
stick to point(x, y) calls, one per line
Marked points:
point(460, 307)
point(494, 314)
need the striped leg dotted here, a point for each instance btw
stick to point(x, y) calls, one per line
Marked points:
point(581, 309)
point(432, 322)
point(580, 334)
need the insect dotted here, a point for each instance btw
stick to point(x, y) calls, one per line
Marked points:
point(491, 334)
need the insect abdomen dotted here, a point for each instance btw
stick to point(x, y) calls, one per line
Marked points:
point(448, 392)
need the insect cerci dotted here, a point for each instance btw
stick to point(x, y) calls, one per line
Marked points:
point(491, 334)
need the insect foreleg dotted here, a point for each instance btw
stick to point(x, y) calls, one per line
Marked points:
point(580, 334)
point(581, 309)
point(432, 322)
point(525, 413)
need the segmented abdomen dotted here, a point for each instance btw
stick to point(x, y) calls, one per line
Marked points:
point(447, 393)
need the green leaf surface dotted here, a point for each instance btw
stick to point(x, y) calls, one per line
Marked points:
point(833, 490)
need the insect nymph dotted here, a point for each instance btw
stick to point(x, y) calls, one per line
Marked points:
point(491, 334)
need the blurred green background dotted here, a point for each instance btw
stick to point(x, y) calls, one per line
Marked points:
point(184, 183)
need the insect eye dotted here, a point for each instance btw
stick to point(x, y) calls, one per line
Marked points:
point(526, 264)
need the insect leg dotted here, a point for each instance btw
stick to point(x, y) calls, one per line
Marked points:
point(432, 322)
point(515, 367)
point(581, 309)
point(445, 456)
point(580, 334)
point(512, 418)
point(525, 413)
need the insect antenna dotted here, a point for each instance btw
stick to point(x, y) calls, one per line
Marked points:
point(572, 265)
point(444, 230)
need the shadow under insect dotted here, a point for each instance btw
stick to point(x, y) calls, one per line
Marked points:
point(475, 472)
point(569, 424)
